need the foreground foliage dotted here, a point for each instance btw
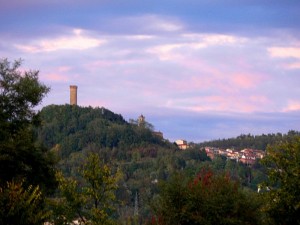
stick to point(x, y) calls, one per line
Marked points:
point(26, 169)
point(21, 206)
point(206, 199)
point(283, 195)
point(90, 200)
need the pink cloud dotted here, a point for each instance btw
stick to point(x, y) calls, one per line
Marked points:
point(56, 77)
point(292, 106)
point(64, 68)
point(246, 80)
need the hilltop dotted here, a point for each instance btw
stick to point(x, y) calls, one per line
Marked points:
point(75, 128)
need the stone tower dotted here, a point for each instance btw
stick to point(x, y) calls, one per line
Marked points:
point(73, 95)
point(141, 120)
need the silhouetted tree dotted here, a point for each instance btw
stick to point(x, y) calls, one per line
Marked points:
point(26, 168)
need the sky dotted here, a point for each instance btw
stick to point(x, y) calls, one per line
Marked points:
point(196, 69)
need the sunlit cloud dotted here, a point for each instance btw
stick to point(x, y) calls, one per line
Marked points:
point(285, 52)
point(193, 42)
point(76, 41)
point(139, 37)
point(198, 40)
point(292, 105)
point(165, 52)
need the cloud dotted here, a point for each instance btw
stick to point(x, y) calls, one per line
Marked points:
point(213, 39)
point(154, 22)
point(196, 72)
point(192, 42)
point(285, 52)
point(246, 80)
point(76, 41)
point(139, 37)
point(293, 105)
point(56, 77)
point(220, 103)
point(293, 66)
point(165, 52)
point(179, 75)
point(160, 64)
point(143, 25)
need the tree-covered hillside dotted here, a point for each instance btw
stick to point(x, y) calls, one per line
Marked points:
point(250, 141)
point(74, 128)
point(142, 158)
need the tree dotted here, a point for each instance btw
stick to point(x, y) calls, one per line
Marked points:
point(206, 199)
point(21, 206)
point(93, 200)
point(23, 163)
point(283, 197)
point(19, 94)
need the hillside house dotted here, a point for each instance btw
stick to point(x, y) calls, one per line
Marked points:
point(182, 144)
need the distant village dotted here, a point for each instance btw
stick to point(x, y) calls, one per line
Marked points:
point(247, 156)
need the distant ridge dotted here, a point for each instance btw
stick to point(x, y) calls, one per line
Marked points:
point(250, 141)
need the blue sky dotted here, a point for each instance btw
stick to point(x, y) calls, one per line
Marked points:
point(197, 70)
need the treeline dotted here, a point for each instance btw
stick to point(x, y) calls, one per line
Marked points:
point(259, 142)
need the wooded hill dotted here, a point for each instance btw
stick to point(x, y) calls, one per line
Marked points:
point(143, 158)
point(75, 128)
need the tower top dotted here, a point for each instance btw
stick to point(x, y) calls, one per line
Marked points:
point(141, 120)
